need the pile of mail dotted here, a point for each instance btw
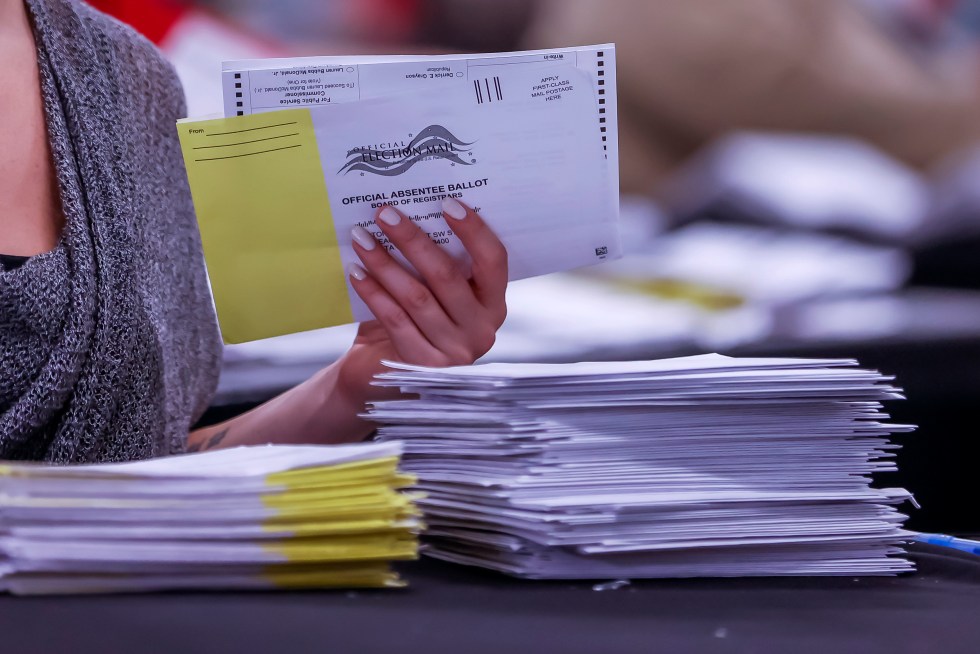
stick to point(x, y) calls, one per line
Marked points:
point(244, 518)
point(697, 466)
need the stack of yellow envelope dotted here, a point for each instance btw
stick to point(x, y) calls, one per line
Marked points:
point(246, 518)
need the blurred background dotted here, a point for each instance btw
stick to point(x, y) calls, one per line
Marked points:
point(798, 177)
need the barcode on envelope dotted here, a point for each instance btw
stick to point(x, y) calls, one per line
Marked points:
point(488, 90)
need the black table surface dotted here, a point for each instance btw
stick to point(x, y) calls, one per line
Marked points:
point(450, 608)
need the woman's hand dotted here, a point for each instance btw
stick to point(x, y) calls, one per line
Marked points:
point(446, 319)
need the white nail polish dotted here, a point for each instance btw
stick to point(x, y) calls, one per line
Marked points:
point(390, 216)
point(356, 272)
point(453, 209)
point(363, 238)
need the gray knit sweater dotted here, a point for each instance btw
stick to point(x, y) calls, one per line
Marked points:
point(109, 348)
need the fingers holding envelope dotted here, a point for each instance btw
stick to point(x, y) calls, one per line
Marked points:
point(446, 319)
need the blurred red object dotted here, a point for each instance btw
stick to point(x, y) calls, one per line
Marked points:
point(385, 19)
point(152, 18)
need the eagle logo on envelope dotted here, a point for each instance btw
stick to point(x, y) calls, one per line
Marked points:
point(395, 158)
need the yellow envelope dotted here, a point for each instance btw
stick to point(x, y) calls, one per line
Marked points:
point(266, 226)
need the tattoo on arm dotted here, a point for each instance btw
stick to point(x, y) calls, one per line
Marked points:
point(211, 442)
point(216, 438)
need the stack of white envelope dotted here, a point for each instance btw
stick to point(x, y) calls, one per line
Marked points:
point(244, 518)
point(698, 466)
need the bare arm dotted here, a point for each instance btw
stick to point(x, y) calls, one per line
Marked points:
point(316, 411)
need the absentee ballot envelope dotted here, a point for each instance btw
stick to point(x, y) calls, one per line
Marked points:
point(258, 85)
point(277, 193)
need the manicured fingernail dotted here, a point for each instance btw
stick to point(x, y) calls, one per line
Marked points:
point(363, 238)
point(390, 216)
point(356, 272)
point(453, 209)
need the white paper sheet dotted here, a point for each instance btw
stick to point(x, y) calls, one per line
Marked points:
point(704, 465)
point(257, 517)
point(531, 165)
point(257, 85)
point(531, 147)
